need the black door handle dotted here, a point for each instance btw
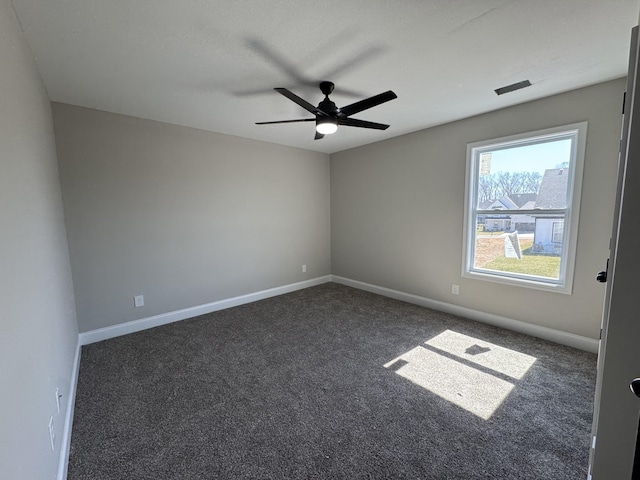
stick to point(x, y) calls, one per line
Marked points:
point(602, 276)
point(635, 387)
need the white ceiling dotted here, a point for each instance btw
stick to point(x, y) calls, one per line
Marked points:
point(212, 64)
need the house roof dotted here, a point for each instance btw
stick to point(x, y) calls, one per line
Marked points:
point(529, 205)
point(502, 203)
point(553, 189)
point(520, 199)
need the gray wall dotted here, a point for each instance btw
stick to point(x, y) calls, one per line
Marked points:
point(38, 331)
point(183, 216)
point(397, 210)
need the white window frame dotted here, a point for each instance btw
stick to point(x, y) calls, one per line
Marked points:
point(564, 284)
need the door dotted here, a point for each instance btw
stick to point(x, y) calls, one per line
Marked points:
point(617, 409)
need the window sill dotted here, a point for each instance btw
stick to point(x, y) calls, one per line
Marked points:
point(519, 282)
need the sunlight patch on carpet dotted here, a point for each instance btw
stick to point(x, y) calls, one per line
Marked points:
point(472, 374)
point(509, 362)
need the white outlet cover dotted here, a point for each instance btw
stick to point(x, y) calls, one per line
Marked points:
point(138, 301)
point(304, 268)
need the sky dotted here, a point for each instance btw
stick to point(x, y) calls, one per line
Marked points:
point(531, 158)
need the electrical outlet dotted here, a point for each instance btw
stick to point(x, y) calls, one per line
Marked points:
point(138, 301)
point(455, 289)
point(52, 434)
point(304, 268)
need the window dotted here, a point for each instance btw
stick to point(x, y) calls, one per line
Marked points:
point(534, 180)
point(557, 232)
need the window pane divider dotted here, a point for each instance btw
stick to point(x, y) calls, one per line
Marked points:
point(537, 211)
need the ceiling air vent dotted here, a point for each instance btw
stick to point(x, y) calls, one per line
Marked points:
point(512, 87)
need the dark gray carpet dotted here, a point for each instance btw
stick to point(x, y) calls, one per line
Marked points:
point(295, 387)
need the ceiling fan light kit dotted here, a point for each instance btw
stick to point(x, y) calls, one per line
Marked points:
point(326, 126)
point(328, 116)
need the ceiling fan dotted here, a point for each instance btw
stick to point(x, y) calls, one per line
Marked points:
point(328, 116)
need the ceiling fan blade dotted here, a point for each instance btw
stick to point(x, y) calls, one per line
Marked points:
point(368, 103)
point(354, 122)
point(287, 121)
point(318, 136)
point(303, 103)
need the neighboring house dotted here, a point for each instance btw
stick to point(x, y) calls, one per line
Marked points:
point(509, 223)
point(525, 201)
point(481, 218)
point(549, 229)
point(498, 222)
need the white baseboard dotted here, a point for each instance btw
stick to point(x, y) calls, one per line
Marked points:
point(557, 336)
point(105, 333)
point(65, 441)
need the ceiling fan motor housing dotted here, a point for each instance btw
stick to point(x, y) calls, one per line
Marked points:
point(329, 107)
point(326, 88)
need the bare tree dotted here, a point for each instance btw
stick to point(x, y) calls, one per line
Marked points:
point(531, 182)
point(509, 183)
point(487, 188)
point(501, 184)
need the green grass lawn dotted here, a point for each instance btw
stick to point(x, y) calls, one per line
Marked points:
point(530, 264)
